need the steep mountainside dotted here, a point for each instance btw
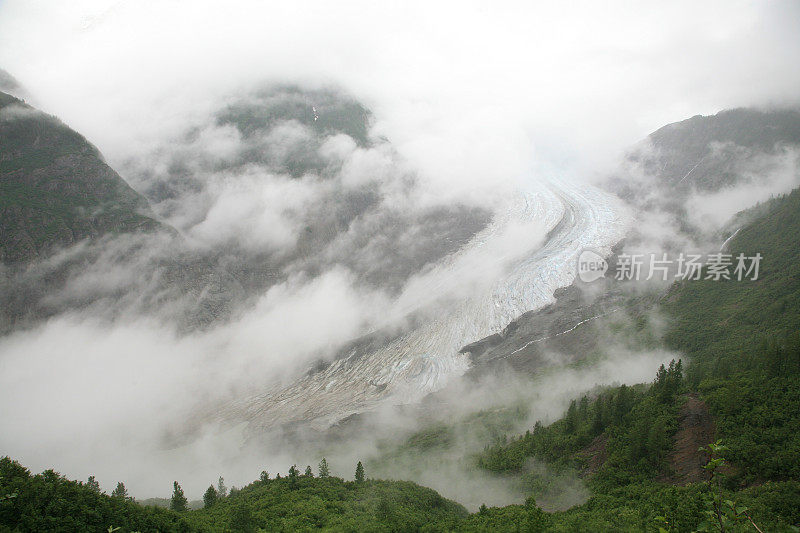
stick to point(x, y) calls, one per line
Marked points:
point(720, 321)
point(706, 155)
point(280, 182)
point(8, 84)
point(700, 154)
point(55, 188)
point(699, 142)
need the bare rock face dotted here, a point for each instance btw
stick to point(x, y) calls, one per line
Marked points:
point(55, 188)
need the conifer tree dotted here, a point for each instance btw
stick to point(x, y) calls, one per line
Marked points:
point(93, 484)
point(597, 419)
point(622, 403)
point(120, 492)
point(308, 472)
point(583, 409)
point(178, 502)
point(293, 474)
point(359, 472)
point(222, 490)
point(571, 420)
point(323, 468)
point(210, 497)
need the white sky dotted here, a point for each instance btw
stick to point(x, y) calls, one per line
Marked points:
point(466, 90)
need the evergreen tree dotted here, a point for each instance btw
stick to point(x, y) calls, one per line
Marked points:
point(210, 497)
point(657, 441)
point(264, 476)
point(668, 381)
point(242, 518)
point(93, 484)
point(178, 502)
point(359, 472)
point(607, 409)
point(583, 409)
point(222, 490)
point(661, 376)
point(120, 492)
point(293, 474)
point(308, 472)
point(571, 420)
point(323, 468)
point(622, 403)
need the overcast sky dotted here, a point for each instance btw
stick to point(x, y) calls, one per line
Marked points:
point(466, 90)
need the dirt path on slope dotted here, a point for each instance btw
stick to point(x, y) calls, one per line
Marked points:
point(695, 429)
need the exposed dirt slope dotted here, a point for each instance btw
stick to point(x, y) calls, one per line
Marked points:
point(695, 430)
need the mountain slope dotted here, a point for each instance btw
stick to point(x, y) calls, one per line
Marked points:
point(742, 338)
point(699, 141)
point(696, 155)
point(55, 188)
point(10, 85)
point(50, 502)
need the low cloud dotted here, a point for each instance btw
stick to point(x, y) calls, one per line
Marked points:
point(296, 235)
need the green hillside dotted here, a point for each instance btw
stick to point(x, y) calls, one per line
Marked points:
point(49, 502)
point(305, 503)
point(55, 188)
point(743, 339)
point(722, 324)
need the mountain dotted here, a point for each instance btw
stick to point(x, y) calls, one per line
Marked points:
point(10, 85)
point(55, 188)
point(348, 209)
point(634, 447)
point(718, 153)
point(742, 386)
point(703, 143)
point(707, 155)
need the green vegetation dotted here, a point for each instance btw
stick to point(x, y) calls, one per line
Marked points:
point(633, 425)
point(55, 188)
point(742, 339)
point(178, 502)
point(304, 503)
point(49, 502)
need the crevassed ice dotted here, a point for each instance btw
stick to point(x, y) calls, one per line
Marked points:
point(424, 359)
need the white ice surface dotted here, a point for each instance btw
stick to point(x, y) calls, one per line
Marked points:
point(521, 272)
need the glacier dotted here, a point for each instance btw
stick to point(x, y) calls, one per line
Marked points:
point(530, 250)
